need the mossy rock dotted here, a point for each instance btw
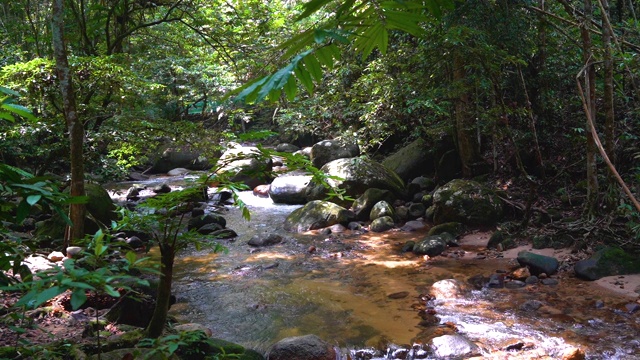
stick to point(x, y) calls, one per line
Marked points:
point(315, 215)
point(101, 211)
point(467, 202)
point(220, 347)
point(362, 205)
point(503, 239)
point(607, 262)
point(454, 228)
point(356, 176)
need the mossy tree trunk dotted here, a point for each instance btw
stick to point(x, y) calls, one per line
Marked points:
point(464, 121)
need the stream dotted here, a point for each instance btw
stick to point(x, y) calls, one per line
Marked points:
point(359, 292)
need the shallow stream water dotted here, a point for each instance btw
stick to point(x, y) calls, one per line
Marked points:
point(359, 292)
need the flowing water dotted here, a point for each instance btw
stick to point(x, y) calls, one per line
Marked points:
point(361, 293)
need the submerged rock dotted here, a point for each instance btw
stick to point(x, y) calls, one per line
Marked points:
point(308, 347)
point(265, 240)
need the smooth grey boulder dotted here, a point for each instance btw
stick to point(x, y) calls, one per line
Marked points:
point(290, 188)
point(172, 158)
point(329, 150)
point(317, 214)
point(467, 202)
point(308, 347)
point(538, 264)
point(287, 148)
point(449, 289)
point(357, 175)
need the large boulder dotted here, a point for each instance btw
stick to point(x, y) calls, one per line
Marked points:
point(607, 262)
point(357, 175)
point(362, 205)
point(380, 209)
point(246, 165)
point(172, 158)
point(382, 224)
point(412, 160)
point(467, 202)
point(315, 215)
point(308, 347)
point(101, 211)
point(290, 188)
point(329, 150)
point(538, 264)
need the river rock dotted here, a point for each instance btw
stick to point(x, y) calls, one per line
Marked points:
point(133, 194)
point(412, 160)
point(413, 225)
point(531, 305)
point(356, 176)
point(223, 234)
point(177, 172)
point(172, 158)
point(362, 205)
point(308, 347)
point(449, 289)
point(416, 210)
point(161, 189)
point(329, 150)
point(261, 190)
point(134, 242)
point(198, 222)
point(424, 183)
point(209, 228)
point(514, 284)
point(316, 215)
point(55, 256)
point(606, 262)
point(265, 240)
point(246, 165)
point(290, 188)
point(573, 353)
point(453, 346)
point(520, 273)
point(454, 228)
point(382, 224)
point(381, 209)
point(467, 202)
point(538, 264)
point(431, 245)
point(287, 148)
point(194, 327)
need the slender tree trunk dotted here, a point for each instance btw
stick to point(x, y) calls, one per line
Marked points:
point(74, 125)
point(609, 124)
point(590, 95)
point(465, 125)
point(163, 299)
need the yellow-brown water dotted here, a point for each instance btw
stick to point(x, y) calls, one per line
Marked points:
point(338, 287)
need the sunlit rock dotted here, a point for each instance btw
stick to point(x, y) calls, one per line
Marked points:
point(380, 209)
point(382, 224)
point(449, 289)
point(290, 188)
point(329, 150)
point(316, 214)
point(431, 245)
point(453, 346)
point(362, 205)
point(538, 264)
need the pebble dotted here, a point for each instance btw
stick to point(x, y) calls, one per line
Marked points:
point(514, 284)
point(632, 307)
point(531, 280)
point(55, 256)
point(599, 304)
point(398, 295)
point(549, 281)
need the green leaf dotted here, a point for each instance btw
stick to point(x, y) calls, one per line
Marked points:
point(131, 257)
point(7, 116)
point(33, 199)
point(78, 298)
point(313, 66)
point(9, 91)
point(111, 291)
point(20, 110)
point(311, 7)
point(47, 295)
point(305, 78)
point(290, 88)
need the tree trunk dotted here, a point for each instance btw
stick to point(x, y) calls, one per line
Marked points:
point(590, 95)
point(464, 123)
point(163, 298)
point(74, 126)
point(609, 123)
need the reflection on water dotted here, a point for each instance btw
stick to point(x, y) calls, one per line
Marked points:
point(338, 287)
